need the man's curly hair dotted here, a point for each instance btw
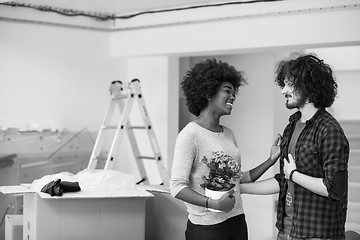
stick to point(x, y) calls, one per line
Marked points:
point(309, 76)
point(203, 81)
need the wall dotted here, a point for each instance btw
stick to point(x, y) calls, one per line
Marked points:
point(54, 77)
point(239, 28)
point(346, 65)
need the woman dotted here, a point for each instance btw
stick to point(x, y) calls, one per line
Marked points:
point(210, 88)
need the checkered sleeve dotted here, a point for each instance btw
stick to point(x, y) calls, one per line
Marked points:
point(335, 161)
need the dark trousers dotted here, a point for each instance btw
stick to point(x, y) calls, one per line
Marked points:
point(283, 236)
point(234, 228)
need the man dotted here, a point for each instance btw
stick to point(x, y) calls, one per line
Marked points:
point(313, 178)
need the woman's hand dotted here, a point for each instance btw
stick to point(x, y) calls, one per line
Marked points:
point(275, 149)
point(226, 203)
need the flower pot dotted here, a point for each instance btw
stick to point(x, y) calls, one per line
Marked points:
point(214, 195)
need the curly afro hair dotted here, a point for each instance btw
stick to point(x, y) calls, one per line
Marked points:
point(309, 76)
point(203, 81)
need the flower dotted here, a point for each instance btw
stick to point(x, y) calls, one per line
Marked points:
point(223, 171)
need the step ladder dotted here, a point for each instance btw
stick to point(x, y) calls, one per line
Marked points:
point(123, 96)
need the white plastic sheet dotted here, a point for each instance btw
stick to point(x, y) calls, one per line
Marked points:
point(91, 180)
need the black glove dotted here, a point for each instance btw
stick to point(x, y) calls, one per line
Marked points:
point(53, 188)
point(58, 187)
point(69, 186)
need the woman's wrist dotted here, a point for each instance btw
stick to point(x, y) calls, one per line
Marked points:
point(207, 202)
point(272, 160)
point(212, 203)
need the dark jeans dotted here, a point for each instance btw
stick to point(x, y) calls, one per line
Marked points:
point(283, 236)
point(234, 228)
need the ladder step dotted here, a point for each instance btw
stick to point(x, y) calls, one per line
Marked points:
point(120, 97)
point(115, 127)
point(109, 126)
point(137, 127)
point(145, 157)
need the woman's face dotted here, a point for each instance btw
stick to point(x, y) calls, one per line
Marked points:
point(222, 102)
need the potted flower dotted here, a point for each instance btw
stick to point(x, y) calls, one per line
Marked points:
point(224, 171)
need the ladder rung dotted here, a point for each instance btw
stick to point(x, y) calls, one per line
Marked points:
point(145, 157)
point(120, 97)
point(115, 127)
point(99, 157)
point(137, 127)
point(110, 126)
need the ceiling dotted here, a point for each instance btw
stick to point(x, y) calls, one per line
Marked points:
point(116, 7)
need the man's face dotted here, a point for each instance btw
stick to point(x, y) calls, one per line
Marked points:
point(293, 98)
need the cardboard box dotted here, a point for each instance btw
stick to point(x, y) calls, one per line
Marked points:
point(13, 227)
point(166, 217)
point(82, 215)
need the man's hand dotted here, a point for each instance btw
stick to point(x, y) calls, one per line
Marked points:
point(289, 165)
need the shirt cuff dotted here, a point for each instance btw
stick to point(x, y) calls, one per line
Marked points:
point(337, 187)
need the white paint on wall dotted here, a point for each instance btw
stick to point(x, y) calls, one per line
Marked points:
point(55, 76)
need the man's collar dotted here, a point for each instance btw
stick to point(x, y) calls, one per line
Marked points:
point(297, 115)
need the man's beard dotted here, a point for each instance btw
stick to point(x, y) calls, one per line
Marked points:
point(299, 103)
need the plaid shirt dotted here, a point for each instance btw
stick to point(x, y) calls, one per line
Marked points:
point(322, 151)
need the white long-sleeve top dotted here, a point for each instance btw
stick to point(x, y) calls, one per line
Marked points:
point(192, 143)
